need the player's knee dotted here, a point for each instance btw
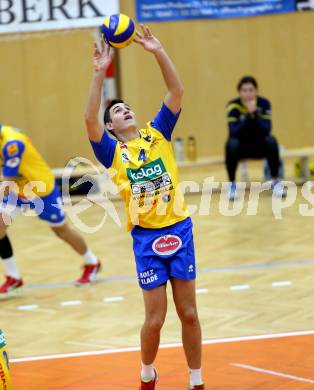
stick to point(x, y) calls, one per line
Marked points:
point(271, 141)
point(188, 315)
point(154, 324)
point(3, 226)
point(60, 231)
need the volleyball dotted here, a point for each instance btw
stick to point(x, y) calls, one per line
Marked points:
point(118, 30)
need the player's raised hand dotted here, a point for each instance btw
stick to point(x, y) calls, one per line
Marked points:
point(147, 39)
point(102, 57)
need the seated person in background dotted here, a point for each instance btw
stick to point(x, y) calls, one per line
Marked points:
point(249, 120)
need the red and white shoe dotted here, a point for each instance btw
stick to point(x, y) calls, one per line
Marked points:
point(89, 274)
point(10, 284)
point(151, 385)
point(198, 387)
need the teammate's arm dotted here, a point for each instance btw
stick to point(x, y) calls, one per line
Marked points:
point(150, 43)
point(102, 59)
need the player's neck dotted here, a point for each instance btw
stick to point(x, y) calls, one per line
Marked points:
point(128, 135)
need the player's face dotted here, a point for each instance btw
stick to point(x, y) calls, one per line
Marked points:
point(122, 117)
point(248, 92)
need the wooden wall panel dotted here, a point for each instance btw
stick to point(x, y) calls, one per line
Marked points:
point(44, 79)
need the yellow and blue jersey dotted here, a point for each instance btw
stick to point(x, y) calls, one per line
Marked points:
point(5, 380)
point(243, 125)
point(22, 162)
point(146, 174)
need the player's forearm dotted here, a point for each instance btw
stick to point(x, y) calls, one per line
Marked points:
point(94, 99)
point(169, 72)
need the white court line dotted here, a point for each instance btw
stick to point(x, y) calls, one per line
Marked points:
point(165, 346)
point(27, 307)
point(281, 284)
point(201, 290)
point(240, 287)
point(270, 372)
point(94, 345)
point(113, 299)
point(70, 303)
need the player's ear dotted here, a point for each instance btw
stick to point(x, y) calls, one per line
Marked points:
point(109, 125)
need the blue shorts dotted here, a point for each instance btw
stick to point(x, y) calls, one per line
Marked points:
point(162, 254)
point(49, 208)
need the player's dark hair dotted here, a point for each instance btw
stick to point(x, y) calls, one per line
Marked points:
point(247, 80)
point(107, 117)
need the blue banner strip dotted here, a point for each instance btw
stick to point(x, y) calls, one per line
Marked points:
point(163, 10)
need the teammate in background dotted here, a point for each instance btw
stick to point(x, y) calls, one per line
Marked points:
point(250, 125)
point(5, 379)
point(162, 235)
point(22, 165)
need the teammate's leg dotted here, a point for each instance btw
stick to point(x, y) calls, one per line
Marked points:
point(185, 302)
point(53, 214)
point(155, 301)
point(91, 263)
point(13, 277)
point(71, 237)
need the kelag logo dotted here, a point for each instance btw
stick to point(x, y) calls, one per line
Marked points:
point(147, 172)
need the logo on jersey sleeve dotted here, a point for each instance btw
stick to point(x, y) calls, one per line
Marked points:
point(167, 245)
point(13, 162)
point(12, 149)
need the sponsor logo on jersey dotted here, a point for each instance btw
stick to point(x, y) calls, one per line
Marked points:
point(167, 245)
point(125, 156)
point(166, 198)
point(147, 172)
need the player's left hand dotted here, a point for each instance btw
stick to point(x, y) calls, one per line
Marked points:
point(251, 106)
point(147, 39)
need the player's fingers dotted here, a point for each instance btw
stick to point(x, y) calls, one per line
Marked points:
point(149, 33)
point(138, 34)
point(96, 50)
point(110, 53)
point(103, 44)
point(144, 30)
point(138, 40)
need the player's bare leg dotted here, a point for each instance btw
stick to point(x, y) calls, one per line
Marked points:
point(185, 301)
point(155, 301)
point(75, 240)
point(71, 237)
point(13, 278)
